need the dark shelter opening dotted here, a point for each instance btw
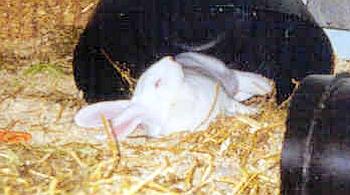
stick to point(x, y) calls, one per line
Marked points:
point(278, 39)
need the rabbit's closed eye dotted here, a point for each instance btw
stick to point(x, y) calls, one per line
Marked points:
point(157, 83)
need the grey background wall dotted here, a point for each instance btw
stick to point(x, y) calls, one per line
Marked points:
point(330, 13)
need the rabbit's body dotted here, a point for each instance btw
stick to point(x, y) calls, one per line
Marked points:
point(172, 97)
point(191, 104)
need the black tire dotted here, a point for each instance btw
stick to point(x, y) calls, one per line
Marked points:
point(316, 149)
point(277, 38)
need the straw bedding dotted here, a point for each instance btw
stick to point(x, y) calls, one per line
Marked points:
point(235, 155)
point(238, 155)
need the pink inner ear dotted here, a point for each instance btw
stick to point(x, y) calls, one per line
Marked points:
point(128, 121)
point(123, 129)
point(90, 116)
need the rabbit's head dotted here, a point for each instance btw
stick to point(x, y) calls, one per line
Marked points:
point(153, 96)
point(162, 79)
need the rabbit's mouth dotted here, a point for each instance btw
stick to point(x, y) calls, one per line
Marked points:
point(141, 131)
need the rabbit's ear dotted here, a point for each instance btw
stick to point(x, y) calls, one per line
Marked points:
point(210, 66)
point(251, 84)
point(90, 116)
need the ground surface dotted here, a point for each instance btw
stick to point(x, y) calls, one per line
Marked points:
point(233, 155)
point(237, 155)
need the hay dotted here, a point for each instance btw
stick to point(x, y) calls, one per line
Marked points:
point(236, 155)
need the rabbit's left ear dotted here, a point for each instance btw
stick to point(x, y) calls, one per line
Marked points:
point(239, 85)
point(212, 67)
point(90, 116)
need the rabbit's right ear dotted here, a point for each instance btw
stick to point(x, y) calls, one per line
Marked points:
point(127, 121)
point(90, 116)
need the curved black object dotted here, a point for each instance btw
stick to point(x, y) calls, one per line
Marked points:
point(277, 38)
point(316, 149)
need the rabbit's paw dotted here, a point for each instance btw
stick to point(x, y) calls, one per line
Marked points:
point(236, 107)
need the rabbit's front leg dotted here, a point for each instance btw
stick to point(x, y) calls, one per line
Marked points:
point(234, 107)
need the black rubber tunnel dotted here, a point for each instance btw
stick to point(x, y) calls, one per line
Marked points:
point(316, 149)
point(276, 38)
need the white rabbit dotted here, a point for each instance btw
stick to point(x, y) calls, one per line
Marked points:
point(176, 95)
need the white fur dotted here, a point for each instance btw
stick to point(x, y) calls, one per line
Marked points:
point(169, 98)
